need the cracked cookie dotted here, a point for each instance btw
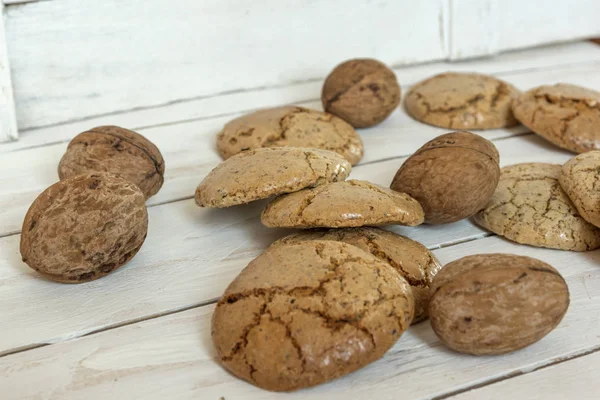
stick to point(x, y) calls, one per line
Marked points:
point(580, 179)
point(118, 151)
point(452, 176)
point(362, 92)
point(496, 303)
point(462, 101)
point(410, 258)
point(342, 205)
point(305, 313)
point(290, 126)
point(566, 115)
point(529, 206)
point(85, 227)
point(262, 173)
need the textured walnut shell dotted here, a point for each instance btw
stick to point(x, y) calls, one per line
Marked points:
point(83, 228)
point(305, 313)
point(118, 151)
point(363, 92)
point(453, 176)
point(496, 303)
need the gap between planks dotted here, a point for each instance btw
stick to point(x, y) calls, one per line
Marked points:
point(557, 361)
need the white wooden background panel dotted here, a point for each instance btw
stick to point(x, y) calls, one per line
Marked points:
point(8, 120)
point(189, 257)
point(173, 356)
point(188, 148)
point(111, 55)
point(573, 379)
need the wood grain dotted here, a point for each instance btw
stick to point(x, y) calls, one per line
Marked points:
point(173, 356)
point(8, 119)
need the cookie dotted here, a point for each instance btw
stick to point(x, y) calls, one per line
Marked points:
point(290, 126)
point(305, 313)
point(452, 176)
point(262, 173)
point(566, 115)
point(342, 205)
point(462, 101)
point(85, 227)
point(116, 150)
point(411, 259)
point(580, 179)
point(496, 303)
point(530, 207)
point(362, 92)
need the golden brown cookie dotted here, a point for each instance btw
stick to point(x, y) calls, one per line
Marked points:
point(342, 205)
point(262, 173)
point(530, 207)
point(496, 303)
point(411, 259)
point(290, 126)
point(116, 150)
point(84, 227)
point(462, 101)
point(566, 115)
point(452, 176)
point(362, 92)
point(305, 313)
point(580, 179)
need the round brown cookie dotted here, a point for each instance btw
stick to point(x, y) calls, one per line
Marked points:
point(362, 91)
point(118, 151)
point(342, 205)
point(410, 258)
point(262, 173)
point(452, 176)
point(462, 101)
point(83, 228)
point(496, 303)
point(580, 179)
point(530, 207)
point(290, 126)
point(566, 115)
point(305, 313)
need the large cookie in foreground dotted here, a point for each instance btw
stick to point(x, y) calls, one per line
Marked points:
point(530, 207)
point(410, 258)
point(290, 126)
point(306, 313)
point(262, 173)
point(343, 205)
point(566, 115)
point(462, 101)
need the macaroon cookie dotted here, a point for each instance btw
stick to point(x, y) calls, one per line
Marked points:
point(262, 173)
point(462, 101)
point(342, 205)
point(580, 179)
point(290, 126)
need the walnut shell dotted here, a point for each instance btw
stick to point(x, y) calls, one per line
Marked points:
point(453, 176)
point(83, 228)
point(116, 150)
point(363, 92)
point(496, 303)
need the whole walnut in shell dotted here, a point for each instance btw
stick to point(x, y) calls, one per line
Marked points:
point(83, 228)
point(363, 92)
point(453, 176)
point(116, 150)
point(496, 303)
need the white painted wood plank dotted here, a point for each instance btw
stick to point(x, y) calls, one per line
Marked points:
point(188, 148)
point(573, 379)
point(141, 53)
point(505, 65)
point(173, 356)
point(8, 118)
point(189, 257)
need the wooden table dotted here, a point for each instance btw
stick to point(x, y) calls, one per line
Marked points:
point(143, 332)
